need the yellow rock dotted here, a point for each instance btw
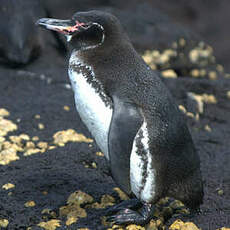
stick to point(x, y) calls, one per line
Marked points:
point(4, 223)
point(212, 75)
point(50, 225)
point(195, 73)
point(72, 212)
point(134, 227)
point(32, 151)
point(15, 139)
point(220, 68)
point(209, 99)
point(223, 228)
point(66, 108)
point(50, 212)
point(69, 135)
point(42, 145)
point(121, 194)
point(24, 137)
point(106, 200)
point(228, 94)
point(35, 138)
point(70, 220)
point(4, 112)
point(79, 198)
point(37, 116)
point(52, 147)
point(100, 154)
point(182, 42)
point(207, 128)
point(169, 73)
point(6, 126)
point(94, 165)
point(41, 126)
point(8, 186)
point(220, 192)
point(180, 225)
point(8, 155)
point(182, 108)
point(30, 203)
point(189, 114)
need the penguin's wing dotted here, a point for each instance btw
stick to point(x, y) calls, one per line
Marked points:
point(126, 121)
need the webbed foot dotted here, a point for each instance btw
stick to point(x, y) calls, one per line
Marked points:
point(129, 216)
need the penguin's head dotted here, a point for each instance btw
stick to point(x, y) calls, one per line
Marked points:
point(86, 30)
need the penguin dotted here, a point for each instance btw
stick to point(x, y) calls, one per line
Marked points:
point(132, 116)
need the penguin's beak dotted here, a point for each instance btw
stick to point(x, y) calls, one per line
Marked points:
point(66, 27)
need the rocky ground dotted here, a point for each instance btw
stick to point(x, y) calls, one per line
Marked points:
point(53, 176)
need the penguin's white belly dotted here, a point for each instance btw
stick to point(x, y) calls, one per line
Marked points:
point(95, 114)
point(142, 173)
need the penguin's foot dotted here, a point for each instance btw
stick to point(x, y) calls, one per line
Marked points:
point(128, 216)
point(126, 204)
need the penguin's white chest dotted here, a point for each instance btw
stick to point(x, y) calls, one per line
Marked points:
point(94, 112)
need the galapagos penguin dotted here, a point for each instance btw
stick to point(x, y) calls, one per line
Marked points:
point(131, 115)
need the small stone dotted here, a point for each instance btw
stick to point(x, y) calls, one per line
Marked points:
point(8, 186)
point(24, 137)
point(182, 42)
point(52, 147)
point(100, 154)
point(207, 128)
point(212, 75)
point(30, 203)
point(35, 138)
point(70, 135)
point(8, 155)
point(6, 126)
point(228, 94)
point(182, 108)
point(4, 112)
point(134, 227)
point(220, 68)
point(220, 192)
point(195, 73)
point(32, 151)
point(66, 108)
point(195, 103)
point(30, 145)
point(4, 223)
point(189, 114)
point(169, 73)
point(49, 212)
point(79, 198)
point(37, 116)
point(194, 55)
point(50, 225)
point(41, 126)
point(42, 145)
point(94, 165)
point(180, 225)
point(121, 194)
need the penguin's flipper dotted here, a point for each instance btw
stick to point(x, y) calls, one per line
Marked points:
point(126, 121)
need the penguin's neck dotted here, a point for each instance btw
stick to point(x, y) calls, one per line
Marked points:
point(92, 103)
point(77, 65)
